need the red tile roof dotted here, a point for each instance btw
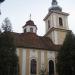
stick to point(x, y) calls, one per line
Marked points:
point(31, 40)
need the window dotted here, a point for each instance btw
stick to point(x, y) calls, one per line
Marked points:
point(51, 67)
point(33, 66)
point(48, 24)
point(31, 29)
point(24, 30)
point(60, 21)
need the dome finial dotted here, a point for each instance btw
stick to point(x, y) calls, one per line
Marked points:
point(30, 16)
point(54, 2)
point(55, 6)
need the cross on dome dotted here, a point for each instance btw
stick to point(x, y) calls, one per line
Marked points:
point(30, 16)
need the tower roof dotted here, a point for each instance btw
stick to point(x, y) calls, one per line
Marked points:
point(55, 6)
point(30, 27)
point(30, 23)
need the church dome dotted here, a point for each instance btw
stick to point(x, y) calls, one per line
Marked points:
point(55, 6)
point(30, 22)
point(30, 27)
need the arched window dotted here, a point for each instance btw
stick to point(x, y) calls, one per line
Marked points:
point(33, 66)
point(31, 29)
point(24, 30)
point(51, 67)
point(48, 24)
point(60, 21)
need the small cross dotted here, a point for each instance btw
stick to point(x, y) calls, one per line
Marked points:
point(30, 16)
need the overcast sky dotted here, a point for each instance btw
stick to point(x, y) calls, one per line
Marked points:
point(18, 12)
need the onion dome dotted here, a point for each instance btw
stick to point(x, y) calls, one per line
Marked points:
point(30, 22)
point(30, 27)
point(55, 6)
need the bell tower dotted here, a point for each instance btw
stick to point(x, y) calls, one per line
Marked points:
point(30, 27)
point(56, 23)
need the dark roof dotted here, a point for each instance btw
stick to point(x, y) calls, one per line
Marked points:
point(31, 40)
point(29, 23)
point(55, 6)
point(55, 9)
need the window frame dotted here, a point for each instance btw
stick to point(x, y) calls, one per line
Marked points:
point(25, 30)
point(33, 65)
point(51, 67)
point(60, 21)
point(48, 24)
point(31, 29)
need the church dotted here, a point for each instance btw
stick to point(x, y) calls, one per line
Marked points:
point(39, 53)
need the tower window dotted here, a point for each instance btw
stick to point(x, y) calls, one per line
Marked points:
point(60, 21)
point(24, 30)
point(31, 29)
point(33, 66)
point(48, 24)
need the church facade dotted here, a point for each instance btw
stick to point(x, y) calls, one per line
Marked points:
point(38, 53)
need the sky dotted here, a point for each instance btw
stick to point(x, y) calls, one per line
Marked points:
point(18, 11)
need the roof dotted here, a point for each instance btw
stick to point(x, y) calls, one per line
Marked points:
point(55, 6)
point(31, 40)
point(29, 23)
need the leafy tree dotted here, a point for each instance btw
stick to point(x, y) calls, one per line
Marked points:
point(6, 25)
point(43, 71)
point(0, 31)
point(8, 56)
point(66, 56)
point(2, 1)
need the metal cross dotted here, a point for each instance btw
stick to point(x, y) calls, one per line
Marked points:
point(30, 16)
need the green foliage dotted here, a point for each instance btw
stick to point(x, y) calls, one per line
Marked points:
point(43, 71)
point(66, 56)
point(8, 57)
point(2, 1)
point(6, 25)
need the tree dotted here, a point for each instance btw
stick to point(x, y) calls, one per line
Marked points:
point(6, 25)
point(43, 71)
point(8, 56)
point(2, 1)
point(66, 56)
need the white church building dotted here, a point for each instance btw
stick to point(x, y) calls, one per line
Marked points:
point(36, 53)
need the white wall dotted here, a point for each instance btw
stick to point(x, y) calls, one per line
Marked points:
point(28, 28)
point(23, 62)
point(51, 55)
point(54, 21)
